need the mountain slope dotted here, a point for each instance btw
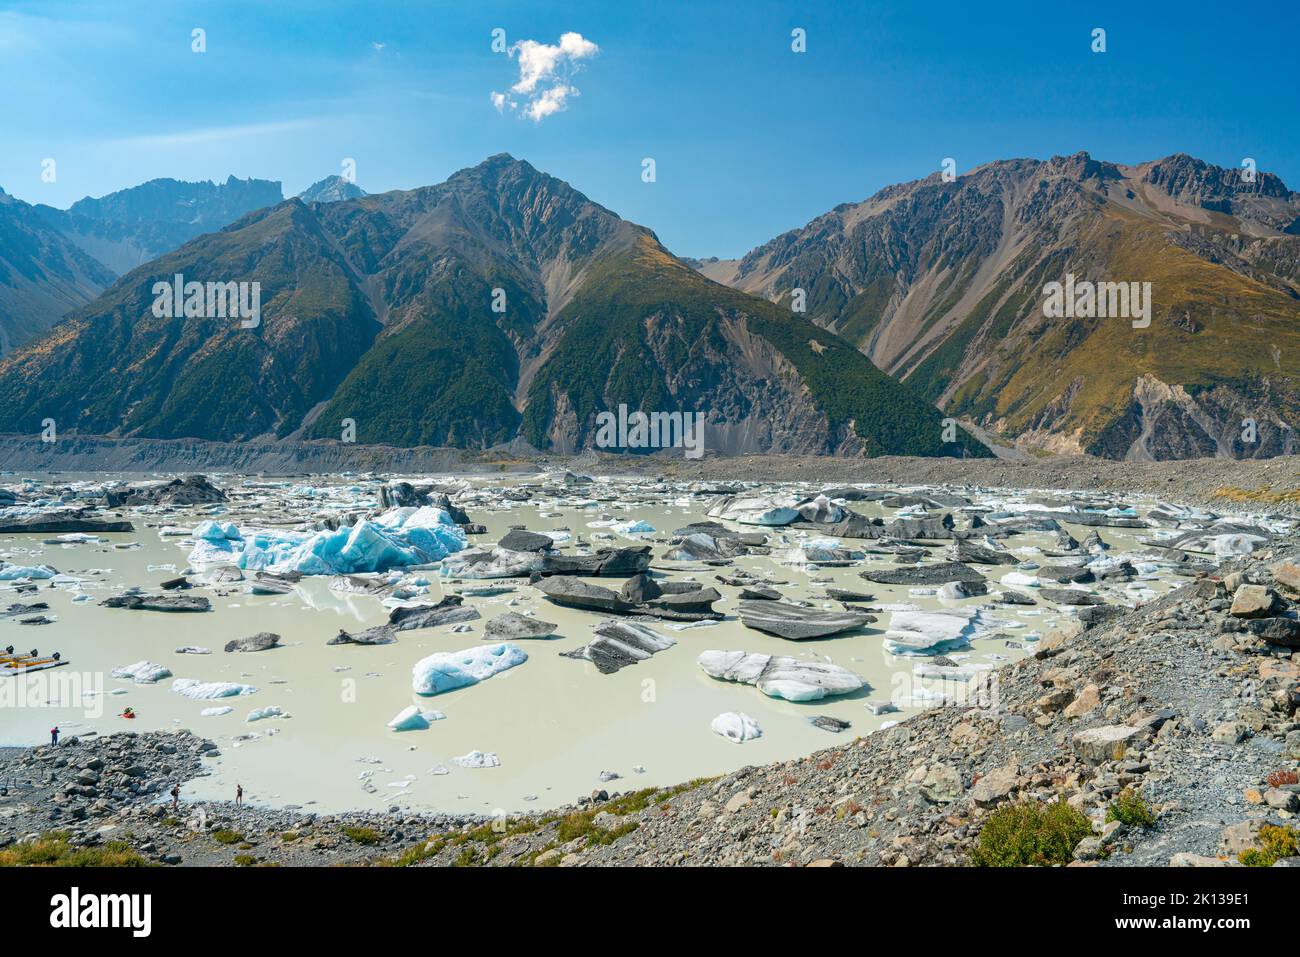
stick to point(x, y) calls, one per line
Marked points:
point(942, 285)
point(379, 310)
point(43, 275)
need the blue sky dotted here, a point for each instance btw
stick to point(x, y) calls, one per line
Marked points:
point(749, 138)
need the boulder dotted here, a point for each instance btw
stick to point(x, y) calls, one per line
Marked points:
point(942, 784)
point(519, 540)
point(1284, 632)
point(607, 562)
point(1252, 601)
point(158, 602)
point(1109, 743)
point(995, 787)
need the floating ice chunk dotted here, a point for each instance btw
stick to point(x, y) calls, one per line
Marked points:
point(414, 718)
point(477, 759)
point(637, 527)
point(1020, 580)
point(401, 537)
point(448, 670)
point(143, 672)
point(217, 711)
point(736, 727)
point(270, 711)
point(14, 572)
point(926, 632)
point(1225, 546)
point(193, 688)
point(780, 676)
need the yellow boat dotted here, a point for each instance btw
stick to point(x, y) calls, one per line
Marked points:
point(19, 664)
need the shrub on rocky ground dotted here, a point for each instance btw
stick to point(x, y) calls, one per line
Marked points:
point(53, 850)
point(1129, 808)
point(1275, 844)
point(1028, 834)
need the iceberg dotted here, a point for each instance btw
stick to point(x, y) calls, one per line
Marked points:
point(928, 632)
point(736, 727)
point(217, 711)
point(13, 572)
point(400, 537)
point(780, 676)
point(414, 718)
point(270, 711)
point(142, 672)
point(193, 688)
point(477, 759)
point(448, 670)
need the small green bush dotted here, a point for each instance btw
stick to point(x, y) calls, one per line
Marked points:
point(245, 860)
point(1129, 808)
point(225, 836)
point(361, 835)
point(1028, 834)
point(1279, 842)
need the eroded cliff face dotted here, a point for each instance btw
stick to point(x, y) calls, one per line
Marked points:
point(942, 284)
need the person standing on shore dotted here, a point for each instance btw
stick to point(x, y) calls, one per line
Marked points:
point(54, 735)
point(239, 795)
point(176, 797)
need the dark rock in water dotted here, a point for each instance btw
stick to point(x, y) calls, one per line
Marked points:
point(926, 529)
point(575, 593)
point(1065, 541)
point(262, 641)
point(63, 521)
point(967, 551)
point(403, 495)
point(849, 494)
point(36, 620)
point(845, 594)
point(191, 490)
point(1009, 597)
point(371, 636)
point(849, 525)
point(608, 562)
point(618, 644)
point(267, 583)
point(937, 574)
point(1277, 631)
point(827, 723)
point(450, 610)
point(1070, 596)
point(796, 622)
point(1096, 519)
point(474, 528)
point(18, 608)
point(1094, 543)
point(1066, 574)
point(680, 601)
point(158, 602)
point(519, 540)
point(760, 594)
point(1123, 572)
point(512, 627)
point(708, 541)
point(173, 583)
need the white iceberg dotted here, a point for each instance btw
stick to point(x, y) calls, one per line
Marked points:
point(193, 688)
point(217, 711)
point(780, 676)
point(925, 632)
point(270, 711)
point(448, 670)
point(477, 759)
point(142, 672)
point(737, 727)
point(414, 718)
point(14, 572)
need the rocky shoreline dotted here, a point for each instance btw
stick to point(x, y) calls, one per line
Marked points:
point(1188, 702)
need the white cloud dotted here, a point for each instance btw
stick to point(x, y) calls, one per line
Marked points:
point(543, 87)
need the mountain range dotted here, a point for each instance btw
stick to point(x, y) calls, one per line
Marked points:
point(497, 305)
point(505, 305)
point(55, 260)
point(941, 283)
